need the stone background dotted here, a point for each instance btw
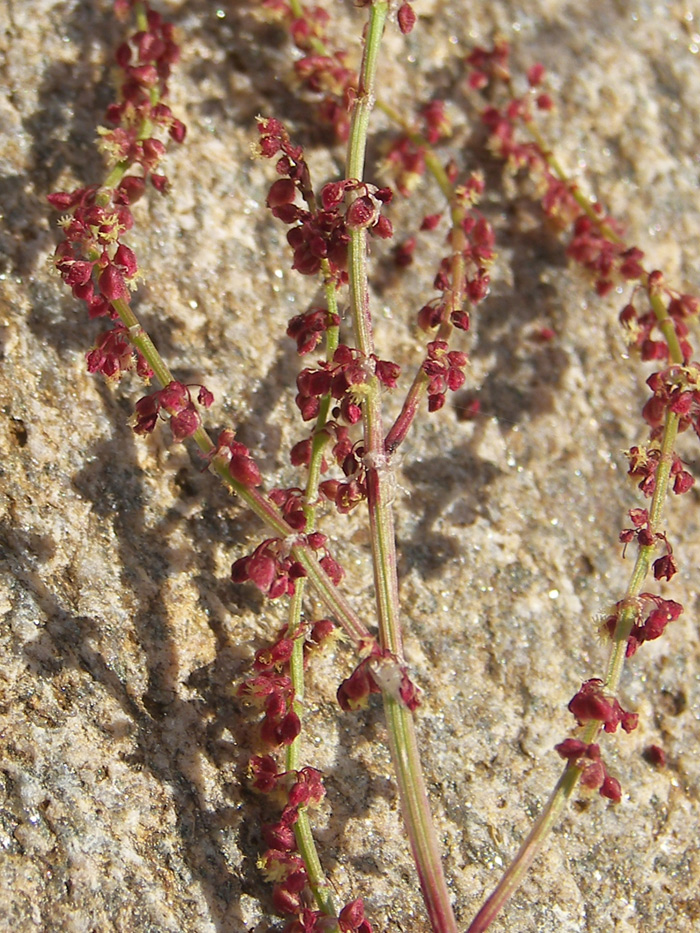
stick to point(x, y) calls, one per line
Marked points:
point(123, 799)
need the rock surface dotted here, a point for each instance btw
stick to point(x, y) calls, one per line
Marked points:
point(124, 803)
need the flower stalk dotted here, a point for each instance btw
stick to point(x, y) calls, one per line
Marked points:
point(569, 780)
point(400, 722)
point(601, 252)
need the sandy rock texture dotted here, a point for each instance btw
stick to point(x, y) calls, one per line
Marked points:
point(124, 803)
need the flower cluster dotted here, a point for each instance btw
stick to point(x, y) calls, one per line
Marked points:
point(675, 389)
point(273, 569)
point(486, 66)
point(660, 613)
point(318, 233)
point(473, 240)
point(594, 774)
point(145, 61)
point(341, 379)
point(346, 494)
point(351, 919)
point(642, 327)
point(307, 328)
point(113, 354)
point(651, 613)
point(592, 704)
point(270, 687)
point(664, 567)
point(404, 159)
point(322, 72)
point(270, 567)
point(241, 466)
point(376, 672)
point(445, 369)
point(290, 502)
point(91, 259)
point(99, 269)
point(175, 402)
point(373, 674)
point(279, 652)
point(608, 260)
point(644, 463)
point(274, 692)
point(505, 142)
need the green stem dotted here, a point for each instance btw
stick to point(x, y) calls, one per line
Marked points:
point(529, 849)
point(302, 828)
point(266, 510)
point(627, 617)
point(665, 324)
point(568, 781)
point(268, 513)
point(379, 496)
point(421, 380)
point(400, 722)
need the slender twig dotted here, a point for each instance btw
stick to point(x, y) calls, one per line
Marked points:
point(569, 779)
point(404, 749)
point(302, 828)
